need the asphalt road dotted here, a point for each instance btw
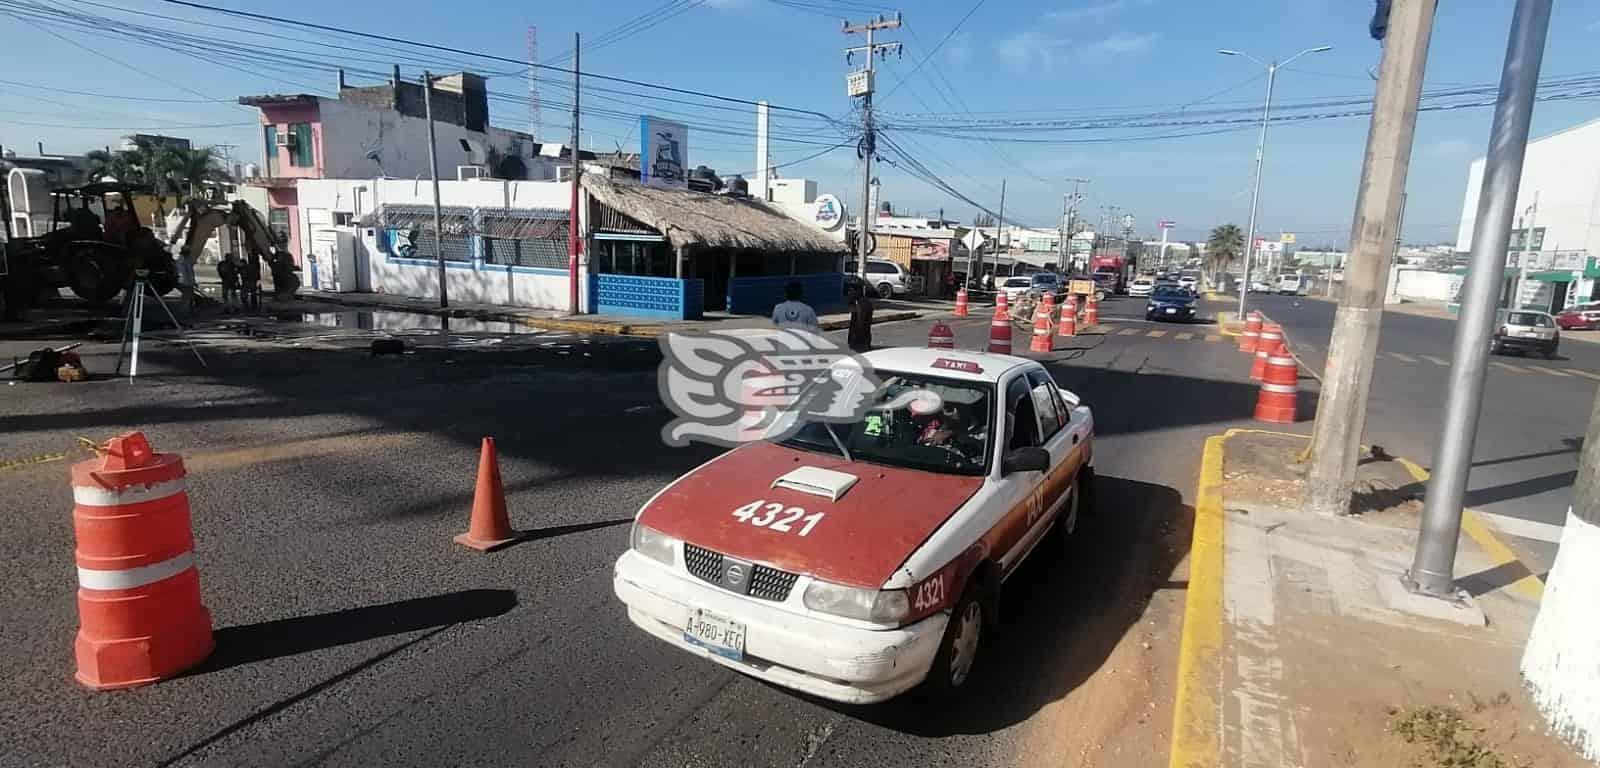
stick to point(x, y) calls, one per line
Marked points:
point(326, 485)
point(1533, 420)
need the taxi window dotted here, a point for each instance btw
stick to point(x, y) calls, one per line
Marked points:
point(1022, 421)
point(1045, 404)
point(950, 433)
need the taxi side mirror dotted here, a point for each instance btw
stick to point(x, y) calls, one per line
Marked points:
point(1025, 460)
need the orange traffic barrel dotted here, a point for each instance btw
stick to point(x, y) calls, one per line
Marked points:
point(139, 610)
point(1271, 338)
point(1000, 330)
point(1002, 301)
point(1250, 338)
point(1279, 392)
point(1041, 331)
point(941, 337)
point(1069, 317)
point(961, 301)
point(1091, 316)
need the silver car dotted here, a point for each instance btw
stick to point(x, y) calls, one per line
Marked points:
point(1525, 330)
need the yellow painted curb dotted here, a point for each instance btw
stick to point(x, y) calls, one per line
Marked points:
point(1197, 708)
point(1479, 530)
point(1222, 324)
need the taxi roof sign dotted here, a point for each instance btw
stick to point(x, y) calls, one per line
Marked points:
point(950, 364)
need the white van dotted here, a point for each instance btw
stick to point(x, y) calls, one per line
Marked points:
point(1291, 285)
point(888, 277)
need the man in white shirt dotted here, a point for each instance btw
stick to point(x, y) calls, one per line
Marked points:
point(793, 311)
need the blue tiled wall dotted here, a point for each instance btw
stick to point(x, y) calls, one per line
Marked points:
point(654, 297)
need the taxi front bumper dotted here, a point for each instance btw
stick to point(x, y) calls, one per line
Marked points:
point(805, 652)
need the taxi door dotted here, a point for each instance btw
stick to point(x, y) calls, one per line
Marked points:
point(1018, 493)
point(1056, 436)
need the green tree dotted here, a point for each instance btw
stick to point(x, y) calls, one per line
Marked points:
point(117, 165)
point(1222, 247)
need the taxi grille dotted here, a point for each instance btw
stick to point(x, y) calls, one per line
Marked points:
point(765, 583)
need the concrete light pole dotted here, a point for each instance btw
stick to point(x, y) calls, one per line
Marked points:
point(1353, 347)
point(1261, 151)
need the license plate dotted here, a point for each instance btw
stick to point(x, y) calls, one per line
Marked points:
point(1172, 310)
point(717, 634)
point(1528, 334)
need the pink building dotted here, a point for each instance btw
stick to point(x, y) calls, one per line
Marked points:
point(381, 131)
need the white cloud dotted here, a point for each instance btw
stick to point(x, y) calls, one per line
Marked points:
point(1449, 148)
point(1126, 43)
point(1030, 49)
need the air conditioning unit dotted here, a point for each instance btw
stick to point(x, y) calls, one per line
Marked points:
point(465, 172)
point(285, 138)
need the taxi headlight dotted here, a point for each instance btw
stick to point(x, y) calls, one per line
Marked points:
point(881, 606)
point(654, 544)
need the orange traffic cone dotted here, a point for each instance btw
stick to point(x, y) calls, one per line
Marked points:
point(1000, 331)
point(1002, 301)
point(490, 528)
point(1069, 317)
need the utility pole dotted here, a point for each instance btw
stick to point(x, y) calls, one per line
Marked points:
point(574, 222)
point(1000, 224)
point(1342, 405)
point(433, 172)
point(1069, 204)
point(1433, 568)
point(1526, 224)
point(860, 84)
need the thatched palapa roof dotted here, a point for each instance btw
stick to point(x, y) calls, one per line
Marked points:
point(701, 220)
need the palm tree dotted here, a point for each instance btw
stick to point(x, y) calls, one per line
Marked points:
point(186, 171)
point(1224, 245)
point(117, 165)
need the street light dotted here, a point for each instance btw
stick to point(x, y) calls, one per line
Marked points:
point(1261, 150)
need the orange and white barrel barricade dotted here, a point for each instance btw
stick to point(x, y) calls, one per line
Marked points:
point(1276, 402)
point(941, 337)
point(1069, 317)
point(1251, 337)
point(961, 301)
point(1091, 315)
point(1271, 338)
point(1000, 330)
point(139, 610)
point(1042, 341)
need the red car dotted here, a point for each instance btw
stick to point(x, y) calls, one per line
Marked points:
point(1584, 317)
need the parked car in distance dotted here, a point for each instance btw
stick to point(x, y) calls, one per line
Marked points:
point(1174, 304)
point(1260, 286)
point(1016, 286)
point(1525, 330)
point(1189, 281)
point(1291, 285)
point(1045, 282)
point(1141, 286)
point(1583, 317)
point(888, 277)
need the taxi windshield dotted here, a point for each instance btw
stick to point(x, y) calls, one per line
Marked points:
point(917, 422)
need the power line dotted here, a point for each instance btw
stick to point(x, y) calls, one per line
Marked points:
point(936, 47)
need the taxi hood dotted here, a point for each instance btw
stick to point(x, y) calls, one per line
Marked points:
point(873, 516)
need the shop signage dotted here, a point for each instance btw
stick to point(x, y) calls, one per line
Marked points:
point(830, 212)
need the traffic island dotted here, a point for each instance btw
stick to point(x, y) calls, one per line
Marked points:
point(1293, 655)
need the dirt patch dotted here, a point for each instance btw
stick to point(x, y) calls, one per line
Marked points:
point(1271, 469)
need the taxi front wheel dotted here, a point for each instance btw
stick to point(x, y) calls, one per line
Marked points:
point(959, 649)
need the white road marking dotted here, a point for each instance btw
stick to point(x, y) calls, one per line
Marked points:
point(1526, 529)
point(1551, 371)
point(1184, 336)
point(1402, 357)
point(1435, 360)
point(1128, 332)
point(1156, 334)
point(1213, 337)
point(1584, 374)
point(1508, 366)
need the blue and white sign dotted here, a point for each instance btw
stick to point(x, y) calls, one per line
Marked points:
point(663, 153)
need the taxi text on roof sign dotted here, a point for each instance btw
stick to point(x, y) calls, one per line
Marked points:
point(965, 366)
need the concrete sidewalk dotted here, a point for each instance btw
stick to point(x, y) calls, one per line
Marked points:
point(1292, 653)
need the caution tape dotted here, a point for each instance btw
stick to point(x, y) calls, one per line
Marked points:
point(81, 444)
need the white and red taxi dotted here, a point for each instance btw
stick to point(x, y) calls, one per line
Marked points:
point(855, 561)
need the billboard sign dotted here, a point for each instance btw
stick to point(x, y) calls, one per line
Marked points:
point(663, 153)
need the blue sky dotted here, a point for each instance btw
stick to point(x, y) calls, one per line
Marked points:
point(1012, 58)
